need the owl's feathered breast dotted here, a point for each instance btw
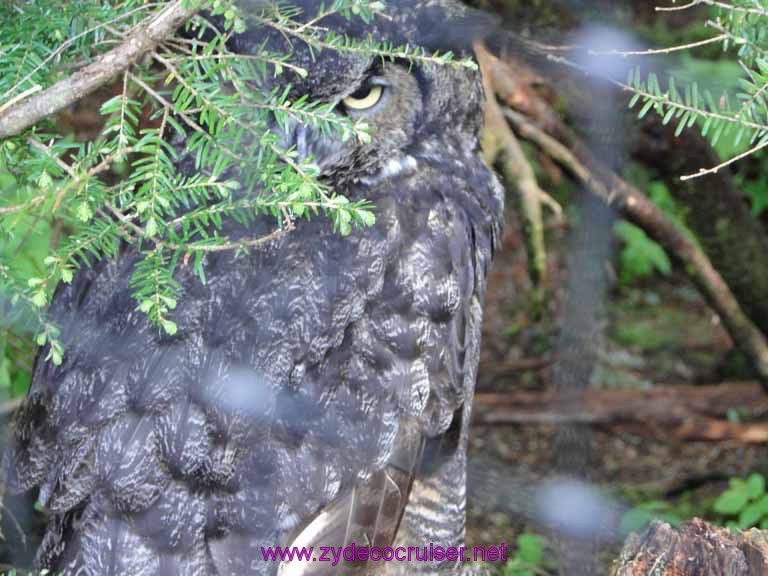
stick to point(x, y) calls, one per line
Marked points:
point(290, 377)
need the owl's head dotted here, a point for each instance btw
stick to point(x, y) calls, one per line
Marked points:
point(404, 103)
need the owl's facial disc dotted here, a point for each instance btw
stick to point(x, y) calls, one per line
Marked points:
point(388, 99)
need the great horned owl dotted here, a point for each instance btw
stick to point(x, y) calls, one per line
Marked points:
point(319, 388)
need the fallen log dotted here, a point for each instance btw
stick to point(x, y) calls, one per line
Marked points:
point(688, 412)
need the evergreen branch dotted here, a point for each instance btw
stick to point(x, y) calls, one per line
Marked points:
point(758, 95)
point(756, 10)
point(46, 331)
point(665, 99)
point(66, 44)
point(715, 169)
point(307, 179)
point(155, 289)
point(76, 178)
point(146, 37)
point(219, 57)
point(160, 99)
point(341, 43)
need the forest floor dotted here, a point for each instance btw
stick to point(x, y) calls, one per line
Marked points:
point(657, 333)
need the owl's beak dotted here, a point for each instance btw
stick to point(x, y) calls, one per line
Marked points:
point(292, 136)
point(301, 142)
point(308, 143)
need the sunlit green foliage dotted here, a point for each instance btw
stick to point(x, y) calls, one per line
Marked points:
point(739, 114)
point(745, 503)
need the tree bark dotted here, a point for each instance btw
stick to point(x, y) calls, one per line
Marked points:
point(693, 549)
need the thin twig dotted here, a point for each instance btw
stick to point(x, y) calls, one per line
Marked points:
point(715, 3)
point(688, 6)
point(654, 51)
point(19, 97)
point(716, 169)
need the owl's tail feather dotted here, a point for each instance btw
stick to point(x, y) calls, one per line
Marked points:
point(369, 515)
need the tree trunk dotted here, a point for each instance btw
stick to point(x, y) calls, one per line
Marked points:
point(717, 212)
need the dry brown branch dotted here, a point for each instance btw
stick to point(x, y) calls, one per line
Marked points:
point(635, 206)
point(688, 412)
point(500, 146)
point(510, 367)
point(145, 38)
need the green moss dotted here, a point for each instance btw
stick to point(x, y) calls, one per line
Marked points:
point(644, 336)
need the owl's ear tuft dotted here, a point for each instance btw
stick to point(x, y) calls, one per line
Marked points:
point(446, 25)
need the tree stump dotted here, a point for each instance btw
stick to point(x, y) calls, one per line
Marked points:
point(695, 548)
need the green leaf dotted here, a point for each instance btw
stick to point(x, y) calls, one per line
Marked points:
point(731, 501)
point(654, 505)
point(84, 212)
point(755, 486)
point(763, 504)
point(668, 116)
point(750, 515)
point(345, 228)
point(56, 357)
point(152, 227)
point(641, 256)
point(646, 108)
point(169, 302)
point(5, 372)
point(169, 327)
point(39, 299)
point(44, 181)
point(530, 548)
point(367, 217)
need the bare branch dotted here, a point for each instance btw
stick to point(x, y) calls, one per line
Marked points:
point(501, 145)
point(655, 51)
point(637, 208)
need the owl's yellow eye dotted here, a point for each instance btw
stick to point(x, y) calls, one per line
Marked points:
point(364, 99)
